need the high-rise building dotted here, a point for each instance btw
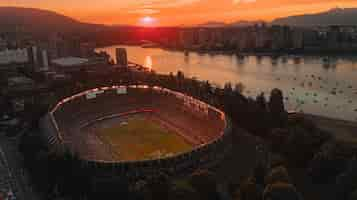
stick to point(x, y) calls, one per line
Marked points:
point(312, 40)
point(59, 45)
point(187, 37)
point(38, 58)
point(44, 60)
point(246, 39)
point(121, 57)
point(281, 36)
point(217, 36)
point(32, 55)
point(263, 38)
point(3, 44)
point(297, 37)
point(334, 37)
point(204, 37)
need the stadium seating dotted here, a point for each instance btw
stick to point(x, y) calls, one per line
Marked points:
point(200, 124)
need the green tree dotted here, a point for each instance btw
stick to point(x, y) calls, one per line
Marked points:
point(204, 182)
point(277, 109)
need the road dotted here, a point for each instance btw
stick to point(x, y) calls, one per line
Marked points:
point(21, 183)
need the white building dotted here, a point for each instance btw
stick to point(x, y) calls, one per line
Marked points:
point(204, 37)
point(70, 64)
point(13, 56)
point(70, 61)
point(32, 55)
point(121, 57)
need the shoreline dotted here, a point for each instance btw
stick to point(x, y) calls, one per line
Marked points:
point(343, 131)
point(350, 122)
point(139, 67)
point(320, 53)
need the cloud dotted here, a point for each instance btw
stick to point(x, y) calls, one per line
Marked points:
point(149, 7)
point(144, 11)
point(243, 1)
point(165, 3)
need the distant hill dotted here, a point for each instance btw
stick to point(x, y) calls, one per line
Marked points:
point(37, 20)
point(212, 24)
point(246, 23)
point(234, 24)
point(337, 16)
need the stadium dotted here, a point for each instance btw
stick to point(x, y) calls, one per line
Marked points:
point(138, 131)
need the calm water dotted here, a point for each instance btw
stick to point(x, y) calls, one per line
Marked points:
point(307, 81)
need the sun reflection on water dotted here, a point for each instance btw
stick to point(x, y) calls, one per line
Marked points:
point(148, 62)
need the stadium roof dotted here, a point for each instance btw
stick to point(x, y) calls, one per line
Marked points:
point(69, 61)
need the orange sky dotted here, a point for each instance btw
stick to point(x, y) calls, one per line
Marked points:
point(179, 12)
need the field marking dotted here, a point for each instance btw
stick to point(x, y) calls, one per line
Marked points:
point(151, 118)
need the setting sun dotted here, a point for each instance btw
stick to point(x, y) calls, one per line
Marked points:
point(148, 21)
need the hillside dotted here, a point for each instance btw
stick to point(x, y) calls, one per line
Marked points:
point(36, 20)
point(337, 16)
point(242, 23)
point(212, 24)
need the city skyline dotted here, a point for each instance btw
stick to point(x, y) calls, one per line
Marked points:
point(179, 12)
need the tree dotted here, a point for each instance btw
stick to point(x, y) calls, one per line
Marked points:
point(111, 188)
point(279, 137)
point(277, 109)
point(204, 182)
point(140, 191)
point(159, 187)
point(277, 174)
point(206, 91)
point(228, 89)
point(303, 140)
point(353, 195)
point(180, 78)
point(263, 115)
point(239, 88)
point(259, 173)
point(262, 102)
point(281, 191)
point(249, 190)
point(346, 182)
point(182, 190)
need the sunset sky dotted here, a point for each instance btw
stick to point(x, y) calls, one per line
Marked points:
point(178, 12)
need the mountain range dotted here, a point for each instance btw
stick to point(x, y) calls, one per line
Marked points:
point(234, 24)
point(38, 20)
point(336, 16)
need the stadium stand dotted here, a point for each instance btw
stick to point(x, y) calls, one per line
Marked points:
point(205, 127)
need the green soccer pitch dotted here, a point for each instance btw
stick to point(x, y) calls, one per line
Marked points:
point(140, 138)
